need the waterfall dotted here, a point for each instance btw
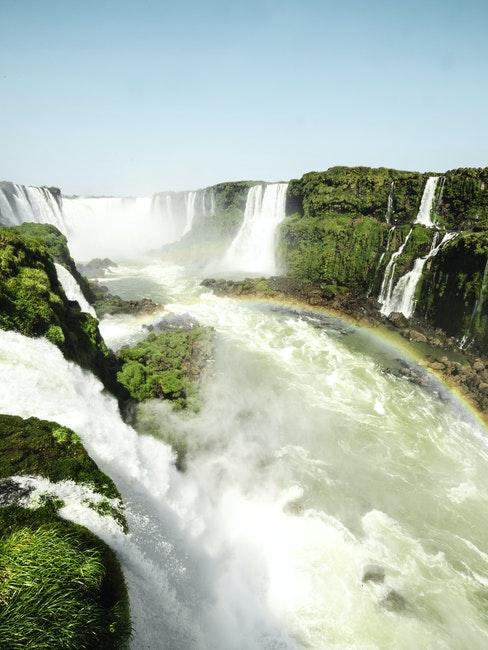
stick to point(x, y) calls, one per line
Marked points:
point(389, 205)
point(476, 309)
point(388, 277)
point(72, 289)
point(424, 213)
point(21, 203)
point(190, 211)
point(253, 248)
point(402, 298)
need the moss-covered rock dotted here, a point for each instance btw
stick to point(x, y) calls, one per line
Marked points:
point(166, 365)
point(60, 586)
point(56, 244)
point(33, 303)
point(33, 447)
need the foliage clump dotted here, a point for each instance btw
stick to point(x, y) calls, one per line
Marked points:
point(60, 586)
point(33, 447)
point(166, 365)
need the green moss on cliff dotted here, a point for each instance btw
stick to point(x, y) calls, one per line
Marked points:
point(463, 203)
point(33, 303)
point(360, 191)
point(56, 244)
point(34, 447)
point(334, 250)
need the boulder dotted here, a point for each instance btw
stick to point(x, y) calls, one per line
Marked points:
point(398, 320)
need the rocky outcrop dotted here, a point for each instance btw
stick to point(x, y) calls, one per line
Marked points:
point(33, 303)
point(106, 303)
point(60, 585)
point(343, 226)
point(167, 364)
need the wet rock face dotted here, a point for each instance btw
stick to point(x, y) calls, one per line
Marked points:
point(96, 268)
point(12, 493)
point(394, 602)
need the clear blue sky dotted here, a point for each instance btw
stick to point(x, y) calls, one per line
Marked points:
point(130, 97)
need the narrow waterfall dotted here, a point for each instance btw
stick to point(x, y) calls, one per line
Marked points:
point(72, 289)
point(402, 298)
point(478, 305)
point(388, 277)
point(389, 205)
point(21, 203)
point(253, 248)
point(427, 202)
point(190, 211)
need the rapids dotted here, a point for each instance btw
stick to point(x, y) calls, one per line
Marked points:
point(312, 459)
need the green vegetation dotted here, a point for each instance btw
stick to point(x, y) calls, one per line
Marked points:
point(56, 244)
point(452, 285)
point(358, 191)
point(33, 303)
point(464, 201)
point(166, 365)
point(35, 447)
point(60, 586)
point(337, 230)
point(336, 250)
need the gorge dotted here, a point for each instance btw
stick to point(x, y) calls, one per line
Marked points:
point(284, 476)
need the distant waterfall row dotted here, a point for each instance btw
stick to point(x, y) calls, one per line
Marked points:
point(19, 203)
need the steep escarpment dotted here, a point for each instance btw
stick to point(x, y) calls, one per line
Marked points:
point(416, 242)
point(60, 586)
point(33, 302)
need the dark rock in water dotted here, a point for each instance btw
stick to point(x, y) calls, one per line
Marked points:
point(107, 303)
point(394, 602)
point(398, 320)
point(96, 268)
point(374, 573)
point(176, 321)
point(12, 492)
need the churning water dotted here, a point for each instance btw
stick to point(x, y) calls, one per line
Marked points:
point(327, 501)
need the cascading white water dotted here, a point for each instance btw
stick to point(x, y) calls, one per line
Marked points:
point(389, 206)
point(424, 215)
point(190, 211)
point(402, 298)
point(389, 275)
point(72, 289)
point(22, 203)
point(253, 248)
point(263, 541)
